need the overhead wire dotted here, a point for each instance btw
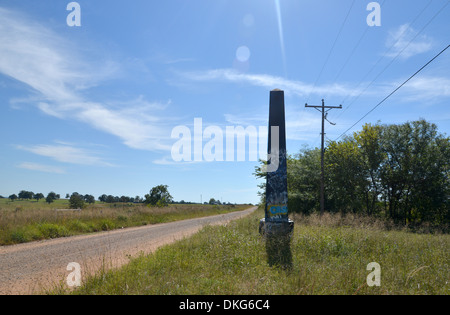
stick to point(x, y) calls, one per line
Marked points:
point(331, 50)
point(354, 49)
point(389, 49)
point(394, 91)
point(395, 58)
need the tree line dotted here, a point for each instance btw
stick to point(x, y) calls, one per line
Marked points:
point(29, 195)
point(158, 196)
point(400, 172)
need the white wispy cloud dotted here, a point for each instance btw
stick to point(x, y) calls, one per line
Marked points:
point(405, 42)
point(66, 154)
point(36, 56)
point(426, 89)
point(41, 168)
point(293, 87)
point(300, 124)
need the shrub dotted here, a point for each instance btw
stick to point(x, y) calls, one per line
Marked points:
point(76, 201)
point(18, 237)
point(50, 230)
point(107, 225)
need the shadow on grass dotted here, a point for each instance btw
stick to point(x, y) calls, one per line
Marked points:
point(279, 252)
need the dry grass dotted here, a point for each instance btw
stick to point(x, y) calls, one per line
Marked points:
point(339, 220)
point(327, 255)
point(25, 221)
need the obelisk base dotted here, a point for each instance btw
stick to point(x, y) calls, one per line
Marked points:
point(276, 228)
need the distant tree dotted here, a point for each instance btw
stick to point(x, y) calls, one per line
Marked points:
point(51, 197)
point(13, 197)
point(102, 198)
point(76, 201)
point(67, 196)
point(109, 199)
point(22, 194)
point(38, 196)
point(124, 199)
point(89, 199)
point(26, 194)
point(159, 196)
point(212, 201)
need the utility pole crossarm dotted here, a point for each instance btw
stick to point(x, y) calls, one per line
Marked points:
point(320, 106)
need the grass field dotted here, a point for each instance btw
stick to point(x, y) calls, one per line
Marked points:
point(25, 221)
point(327, 255)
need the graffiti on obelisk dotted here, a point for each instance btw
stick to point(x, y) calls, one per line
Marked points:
point(276, 221)
point(276, 185)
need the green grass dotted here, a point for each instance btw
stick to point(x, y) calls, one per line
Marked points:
point(26, 221)
point(327, 255)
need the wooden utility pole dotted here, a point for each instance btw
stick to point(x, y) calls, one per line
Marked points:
point(322, 153)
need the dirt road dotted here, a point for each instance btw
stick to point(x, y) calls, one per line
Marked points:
point(31, 268)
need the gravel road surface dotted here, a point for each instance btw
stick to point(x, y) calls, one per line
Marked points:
point(33, 267)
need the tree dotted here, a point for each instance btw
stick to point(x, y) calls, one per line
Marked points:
point(76, 201)
point(212, 201)
point(415, 176)
point(89, 199)
point(102, 198)
point(26, 195)
point(38, 196)
point(13, 197)
point(49, 200)
point(124, 199)
point(22, 194)
point(159, 196)
point(373, 157)
point(303, 177)
point(51, 197)
point(346, 181)
point(110, 199)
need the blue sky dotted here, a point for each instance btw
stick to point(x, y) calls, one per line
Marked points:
point(91, 108)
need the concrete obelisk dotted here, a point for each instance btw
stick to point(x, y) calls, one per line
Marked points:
point(276, 221)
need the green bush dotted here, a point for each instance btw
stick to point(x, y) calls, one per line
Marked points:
point(106, 225)
point(18, 237)
point(50, 230)
point(79, 226)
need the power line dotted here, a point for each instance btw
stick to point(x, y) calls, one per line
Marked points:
point(332, 48)
point(399, 87)
point(395, 58)
point(386, 52)
point(354, 49)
